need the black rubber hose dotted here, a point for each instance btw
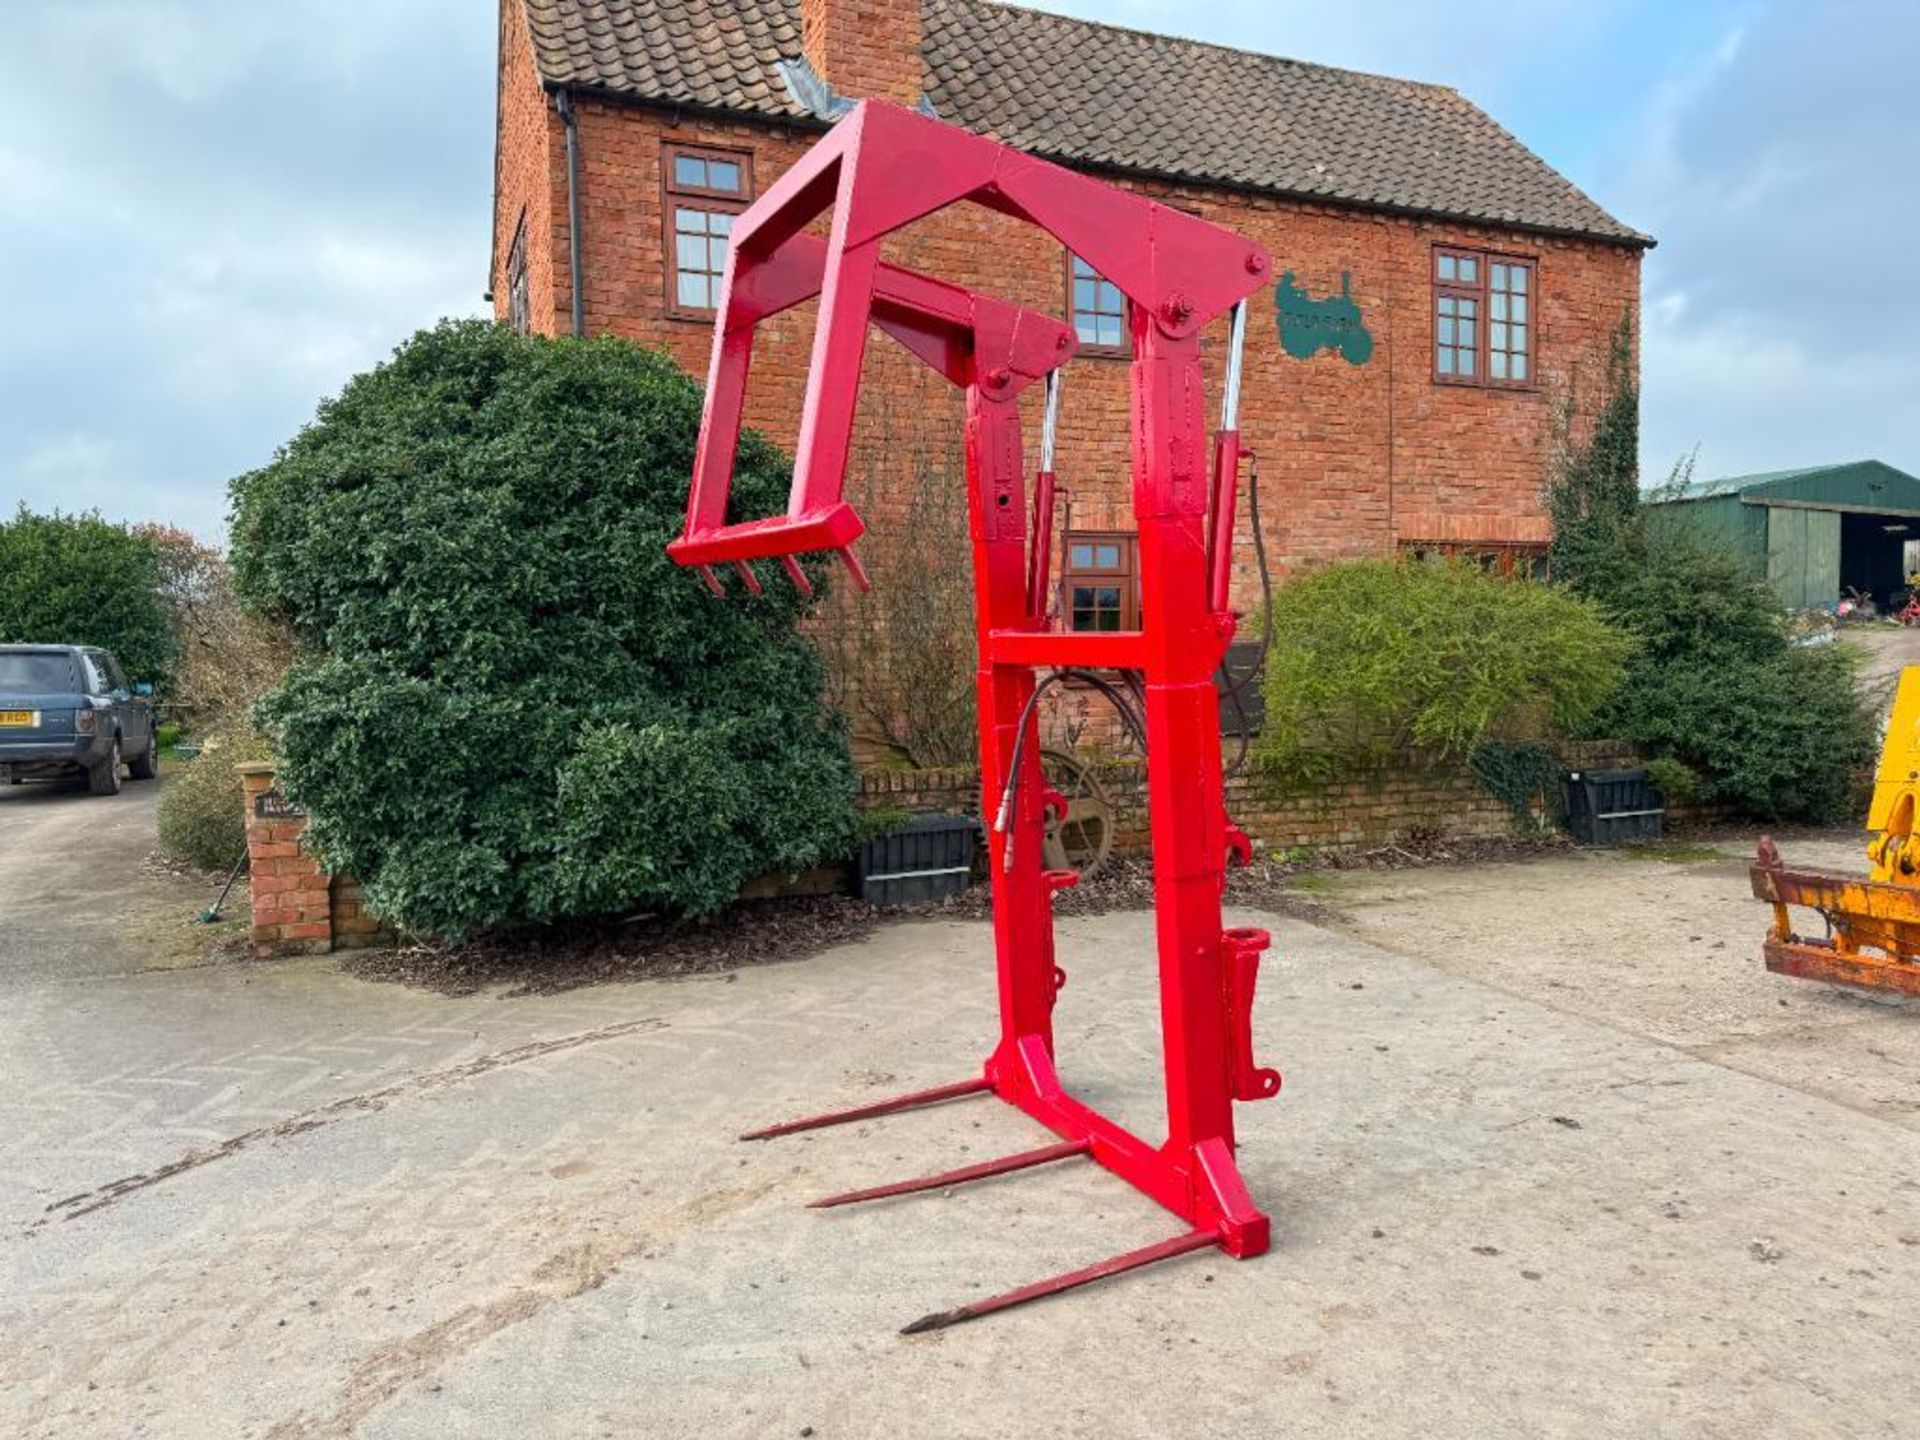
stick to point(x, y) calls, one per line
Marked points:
point(1233, 689)
point(1129, 717)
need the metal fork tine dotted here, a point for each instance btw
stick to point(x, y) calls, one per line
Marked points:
point(797, 575)
point(1004, 1165)
point(911, 1101)
point(855, 568)
point(1072, 1279)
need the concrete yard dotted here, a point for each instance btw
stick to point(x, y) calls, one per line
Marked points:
point(1555, 1157)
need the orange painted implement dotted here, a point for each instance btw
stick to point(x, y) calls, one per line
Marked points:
point(1873, 924)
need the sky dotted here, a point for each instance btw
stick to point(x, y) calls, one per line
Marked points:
point(213, 212)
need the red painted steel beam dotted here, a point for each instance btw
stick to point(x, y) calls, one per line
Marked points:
point(1203, 1187)
point(1092, 650)
point(912, 1101)
point(1005, 1165)
point(1071, 1280)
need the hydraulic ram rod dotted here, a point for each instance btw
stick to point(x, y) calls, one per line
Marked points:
point(1226, 469)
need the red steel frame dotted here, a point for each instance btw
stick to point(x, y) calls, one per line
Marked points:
point(881, 168)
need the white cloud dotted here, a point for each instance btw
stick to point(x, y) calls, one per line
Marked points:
point(226, 212)
point(233, 206)
point(1780, 318)
point(231, 315)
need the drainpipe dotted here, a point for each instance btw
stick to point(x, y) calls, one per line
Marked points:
point(563, 102)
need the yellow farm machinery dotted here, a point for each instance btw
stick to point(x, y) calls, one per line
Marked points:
point(1873, 925)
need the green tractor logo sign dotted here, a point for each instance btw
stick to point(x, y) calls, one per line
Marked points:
point(1308, 326)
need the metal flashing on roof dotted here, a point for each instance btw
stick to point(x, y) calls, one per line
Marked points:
point(810, 89)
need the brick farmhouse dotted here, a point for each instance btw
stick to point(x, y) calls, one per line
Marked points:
point(1439, 289)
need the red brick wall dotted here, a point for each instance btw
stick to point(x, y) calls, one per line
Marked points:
point(865, 47)
point(1367, 813)
point(1353, 458)
point(530, 180)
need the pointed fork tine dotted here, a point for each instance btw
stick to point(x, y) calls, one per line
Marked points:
point(913, 1100)
point(1054, 1284)
point(713, 581)
point(797, 575)
point(981, 1170)
point(746, 574)
point(855, 569)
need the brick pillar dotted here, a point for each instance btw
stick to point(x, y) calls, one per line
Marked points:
point(353, 927)
point(865, 47)
point(292, 895)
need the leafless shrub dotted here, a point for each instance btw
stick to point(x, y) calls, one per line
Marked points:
point(229, 657)
point(900, 660)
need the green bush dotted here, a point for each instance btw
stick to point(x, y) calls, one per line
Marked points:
point(1377, 662)
point(1775, 731)
point(1677, 783)
point(77, 580)
point(1716, 689)
point(511, 706)
point(202, 818)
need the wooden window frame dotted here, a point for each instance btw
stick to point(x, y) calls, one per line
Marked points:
point(1481, 293)
point(1126, 574)
point(676, 196)
point(519, 297)
point(1122, 351)
point(1505, 558)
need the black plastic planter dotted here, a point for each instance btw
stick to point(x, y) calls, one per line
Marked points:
point(927, 858)
point(1614, 807)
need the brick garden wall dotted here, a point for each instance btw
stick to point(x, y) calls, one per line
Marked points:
point(299, 910)
point(1364, 814)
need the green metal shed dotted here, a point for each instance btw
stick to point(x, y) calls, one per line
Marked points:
point(1811, 534)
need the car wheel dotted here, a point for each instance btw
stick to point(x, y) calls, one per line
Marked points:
point(104, 778)
point(147, 766)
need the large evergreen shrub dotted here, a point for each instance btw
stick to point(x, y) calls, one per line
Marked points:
point(514, 707)
point(1774, 731)
point(1378, 662)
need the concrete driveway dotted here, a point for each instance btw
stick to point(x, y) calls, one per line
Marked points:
point(274, 1201)
point(77, 898)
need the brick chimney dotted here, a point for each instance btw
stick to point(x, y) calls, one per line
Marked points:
point(865, 48)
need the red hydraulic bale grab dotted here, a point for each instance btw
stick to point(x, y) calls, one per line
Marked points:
point(882, 168)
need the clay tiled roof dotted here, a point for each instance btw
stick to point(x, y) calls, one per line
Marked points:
point(719, 54)
point(1102, 96)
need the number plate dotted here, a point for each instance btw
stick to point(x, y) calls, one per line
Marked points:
point(20, 718)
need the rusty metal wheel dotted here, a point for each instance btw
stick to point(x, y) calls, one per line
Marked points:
point(1082, 838)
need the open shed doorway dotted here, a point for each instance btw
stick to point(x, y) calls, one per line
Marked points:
point(1873, 556)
